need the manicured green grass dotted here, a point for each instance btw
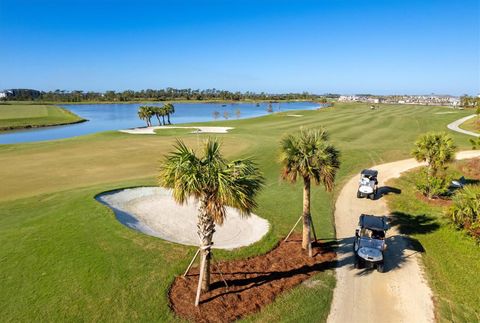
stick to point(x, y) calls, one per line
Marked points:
point(65, 257)
point(451, 258)
point(472, 124)
point(15, 116)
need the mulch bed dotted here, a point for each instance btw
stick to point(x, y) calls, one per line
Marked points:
point(252, 283)
point(434, 202)
point(470, 168)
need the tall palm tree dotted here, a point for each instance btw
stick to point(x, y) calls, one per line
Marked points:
point(169, 109)
point(216, 183)
point(160, 112)
point(435, 148)
point(309, 155)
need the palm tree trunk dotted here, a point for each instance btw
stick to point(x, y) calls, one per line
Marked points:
point(163, 118)
point(306, 239)
point(206, 228)
point(168, 116)
point(158, 118)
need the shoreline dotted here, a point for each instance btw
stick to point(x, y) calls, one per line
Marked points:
point(158, 101)
point(14, 128)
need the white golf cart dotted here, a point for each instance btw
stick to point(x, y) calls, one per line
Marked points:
point(369, 243)
point(368, 184)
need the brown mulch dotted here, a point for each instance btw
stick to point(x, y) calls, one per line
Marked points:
point(252, 283)
point(435, 201)
point(470, 168)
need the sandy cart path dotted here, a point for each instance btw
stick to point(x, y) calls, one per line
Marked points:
point(401, 294)
point(455, 126)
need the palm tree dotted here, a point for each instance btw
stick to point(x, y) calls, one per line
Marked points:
point(309, 155)
point(435, 148)
point(216, 183)
point(157, 112)
point(169, 109)
point(145, 113)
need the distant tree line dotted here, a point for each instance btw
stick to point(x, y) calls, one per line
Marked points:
point(168, 94)
point(469, 101)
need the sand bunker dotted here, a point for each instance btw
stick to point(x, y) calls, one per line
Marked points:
point(153, 211)
point(151, 130)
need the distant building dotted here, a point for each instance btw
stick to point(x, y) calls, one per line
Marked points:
point(5, 94)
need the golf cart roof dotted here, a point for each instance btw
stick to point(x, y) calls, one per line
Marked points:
point(377, 223)
point(370, 172)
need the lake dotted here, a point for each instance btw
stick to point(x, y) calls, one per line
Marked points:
point(104, 117)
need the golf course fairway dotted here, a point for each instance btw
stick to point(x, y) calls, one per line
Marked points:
point(65, 257)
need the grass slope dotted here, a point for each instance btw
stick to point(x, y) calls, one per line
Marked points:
point(472, 124)
point(451, 258)
point(17, 116)
point(65, 257)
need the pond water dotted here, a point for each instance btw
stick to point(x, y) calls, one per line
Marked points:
point(104, 117)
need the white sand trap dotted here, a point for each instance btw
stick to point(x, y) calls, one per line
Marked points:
point(446, 112)
point(153, 211)
point(295, 115)
point(151, 130)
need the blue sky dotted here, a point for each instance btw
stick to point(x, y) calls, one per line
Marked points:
point(355, 46)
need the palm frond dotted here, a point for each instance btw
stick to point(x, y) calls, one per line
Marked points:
point(309, 155)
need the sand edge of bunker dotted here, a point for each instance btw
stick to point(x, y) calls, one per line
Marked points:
point(199, 129)
point(153, 211)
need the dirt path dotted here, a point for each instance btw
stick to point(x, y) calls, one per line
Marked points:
point(455, 126)
point(401, 294)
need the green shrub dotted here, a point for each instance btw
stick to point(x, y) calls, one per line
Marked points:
point(465, 211)
point(432, 186)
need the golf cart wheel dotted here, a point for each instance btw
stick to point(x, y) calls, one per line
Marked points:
point(359, 195)
point(372, 196)
point(356, 263)
point(380, 268)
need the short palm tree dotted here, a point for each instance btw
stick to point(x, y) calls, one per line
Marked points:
point(309, 155)
point(435, 148)
point(465, 210)
point(145, 113)
point(216, 183)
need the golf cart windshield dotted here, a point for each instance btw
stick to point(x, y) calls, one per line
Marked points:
point(369, 173)
point(371, 243)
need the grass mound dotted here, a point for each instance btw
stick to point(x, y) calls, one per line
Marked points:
point(18, 116)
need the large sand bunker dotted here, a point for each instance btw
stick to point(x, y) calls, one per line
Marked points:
point(153, 211)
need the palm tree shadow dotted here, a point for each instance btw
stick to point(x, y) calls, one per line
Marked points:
point(413, 224)
point(386, 190)
point(262, 278)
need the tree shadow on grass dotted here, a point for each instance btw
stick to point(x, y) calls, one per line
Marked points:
point(413, 224)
